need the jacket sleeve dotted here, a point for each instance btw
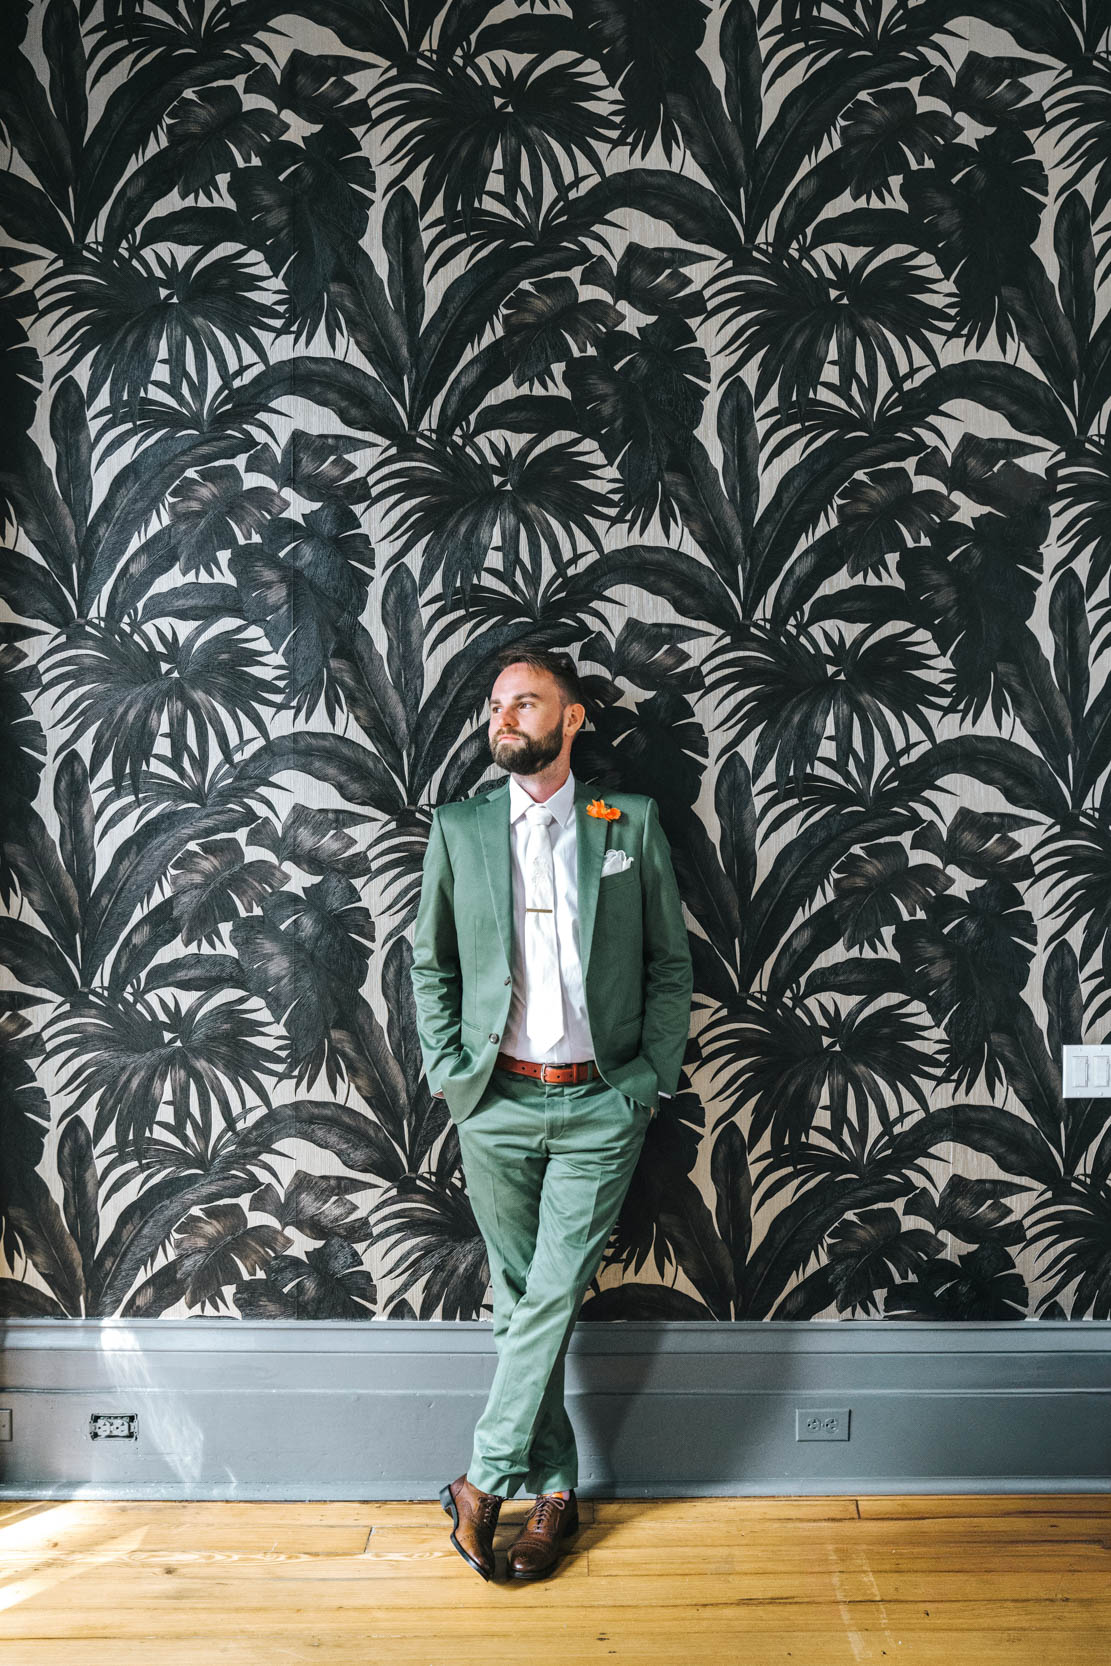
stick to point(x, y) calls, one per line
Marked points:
point(669, 975)
point(437, 985)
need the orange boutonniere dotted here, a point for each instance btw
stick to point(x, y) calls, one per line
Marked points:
point(607, 812)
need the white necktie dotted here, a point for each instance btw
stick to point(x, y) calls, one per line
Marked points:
point(544, 1001)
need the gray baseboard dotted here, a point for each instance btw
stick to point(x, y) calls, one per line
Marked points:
point(280, 1409)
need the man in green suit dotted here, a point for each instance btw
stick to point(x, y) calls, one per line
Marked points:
point(552, 978)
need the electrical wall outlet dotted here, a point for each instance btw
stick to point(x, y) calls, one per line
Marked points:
point(5, 1425)
point(821, 1424)
point(113, 1425)
point(1086, 1072)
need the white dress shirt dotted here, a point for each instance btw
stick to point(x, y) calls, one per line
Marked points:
point(575, 1043)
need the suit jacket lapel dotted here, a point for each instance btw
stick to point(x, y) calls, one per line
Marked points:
point(493, 828)
point(592, 831)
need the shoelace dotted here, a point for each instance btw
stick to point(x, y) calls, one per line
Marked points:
point(541, 1511)
point(487, 1507)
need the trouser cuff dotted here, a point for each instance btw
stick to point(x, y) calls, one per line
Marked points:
point(559, 1481)
point(504, 1483)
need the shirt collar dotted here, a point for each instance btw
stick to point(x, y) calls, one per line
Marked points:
point(561, 803)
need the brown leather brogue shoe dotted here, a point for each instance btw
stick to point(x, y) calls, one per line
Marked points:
point(550, 1523)
point(474, 1516)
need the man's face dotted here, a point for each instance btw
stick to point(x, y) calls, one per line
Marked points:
point(526, 720)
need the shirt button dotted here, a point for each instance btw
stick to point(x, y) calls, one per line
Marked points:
point(494, 1036)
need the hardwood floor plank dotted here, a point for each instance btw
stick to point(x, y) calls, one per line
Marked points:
point(331, 1647)
point(987, 1505)
point(771, 1508)
point(84, 1603)
point(180, 1537)
point(682, 1513)
point(904, 1548)
point(419, 1550)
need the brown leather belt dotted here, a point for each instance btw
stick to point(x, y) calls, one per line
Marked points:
point(552, 1073)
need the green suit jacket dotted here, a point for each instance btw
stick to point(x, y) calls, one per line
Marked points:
point(632, 942)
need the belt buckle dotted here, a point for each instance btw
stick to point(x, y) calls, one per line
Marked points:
point(578, 1072)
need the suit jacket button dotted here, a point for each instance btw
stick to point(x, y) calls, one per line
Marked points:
point(494, 1036)
point(509, 979)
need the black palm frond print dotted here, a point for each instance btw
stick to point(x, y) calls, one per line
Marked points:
point(756, 353)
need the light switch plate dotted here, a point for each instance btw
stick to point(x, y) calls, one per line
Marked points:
point(1086, 1072)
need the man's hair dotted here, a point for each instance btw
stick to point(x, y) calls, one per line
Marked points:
point(542, 659)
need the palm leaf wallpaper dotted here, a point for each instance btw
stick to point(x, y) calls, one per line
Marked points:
point(758, 355)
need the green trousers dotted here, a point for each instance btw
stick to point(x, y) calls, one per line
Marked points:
point(547, 1169)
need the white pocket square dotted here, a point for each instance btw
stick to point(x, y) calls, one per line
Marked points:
point(616, 861)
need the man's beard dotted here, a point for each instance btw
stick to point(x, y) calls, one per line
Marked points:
point(528, 755)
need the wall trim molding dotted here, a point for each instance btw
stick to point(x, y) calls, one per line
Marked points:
point(614, 1336)
point(289, 1409)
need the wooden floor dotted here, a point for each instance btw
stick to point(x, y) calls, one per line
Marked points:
point(952, 1581)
